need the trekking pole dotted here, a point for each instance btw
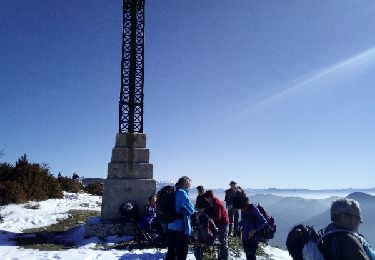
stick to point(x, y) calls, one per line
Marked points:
point(143, 233)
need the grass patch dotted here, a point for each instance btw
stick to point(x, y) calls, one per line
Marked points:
point(235, 246)
point(44, 238)
point(260, 251)
point(76, 217)
point(85, 205)
point(42, 244)
point(235, 249)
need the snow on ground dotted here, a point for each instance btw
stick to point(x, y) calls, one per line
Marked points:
point(17, 218)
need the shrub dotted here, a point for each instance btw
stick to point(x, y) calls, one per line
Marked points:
point(12, 192)
point(69, 184)
point(27, 181)
point(94, 189)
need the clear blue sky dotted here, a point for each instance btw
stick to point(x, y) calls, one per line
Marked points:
point(267, 93)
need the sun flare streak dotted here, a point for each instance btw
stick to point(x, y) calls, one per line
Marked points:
point(351, 64)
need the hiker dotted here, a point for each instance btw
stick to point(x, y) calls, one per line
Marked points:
point(179, 230)
point(252, 221)
point(128, 212)
point(341, 240)
point(233, 213)
point(147, 222)
point(221, 220)
point(151, 224)
point(205, 233)
point(201, 205)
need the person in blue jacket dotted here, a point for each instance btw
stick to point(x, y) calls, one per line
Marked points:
point(179, 231)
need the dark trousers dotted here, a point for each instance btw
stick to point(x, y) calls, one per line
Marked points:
point(233, 215)
point(250, 247)
point(223, 239)
point(178, 245)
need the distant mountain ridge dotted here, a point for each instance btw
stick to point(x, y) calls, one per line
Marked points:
point(160, 184)
point(291, 212)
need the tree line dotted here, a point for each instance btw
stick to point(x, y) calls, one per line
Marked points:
point(27, 181)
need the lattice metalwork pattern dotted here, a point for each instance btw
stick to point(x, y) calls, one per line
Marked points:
point(132, 68)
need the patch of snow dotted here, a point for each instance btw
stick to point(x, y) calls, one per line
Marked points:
point(17, 218)
point(276, 253)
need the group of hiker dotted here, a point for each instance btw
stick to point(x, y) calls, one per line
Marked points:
point(172, 213)
point(180, 220)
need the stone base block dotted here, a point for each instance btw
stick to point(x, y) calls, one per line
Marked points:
point(118, 191)
point(103, 230)
point(137, 155)
point(130, 140)
point(129, 170)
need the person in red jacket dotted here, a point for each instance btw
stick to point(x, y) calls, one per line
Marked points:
point(219, 215)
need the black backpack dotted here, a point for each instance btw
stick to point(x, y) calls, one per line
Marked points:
point(165, 205)
point(298, 237)
point(129, 212)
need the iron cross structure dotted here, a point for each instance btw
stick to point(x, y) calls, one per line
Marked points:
point(132, 67)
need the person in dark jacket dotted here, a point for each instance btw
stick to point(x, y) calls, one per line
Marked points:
point(201, 205)
point(220, 217)
point(252, 222)
point(233, 213)
point(341, 240)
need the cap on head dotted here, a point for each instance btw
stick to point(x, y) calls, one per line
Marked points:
point(233, 183)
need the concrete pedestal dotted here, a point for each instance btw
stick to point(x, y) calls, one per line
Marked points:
point(129, 180)
point(118, 191)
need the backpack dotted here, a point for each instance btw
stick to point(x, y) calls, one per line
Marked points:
point(165, 205)
point(269, 231)
point(231, 196)
point(128, 212)
point(302, 243)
